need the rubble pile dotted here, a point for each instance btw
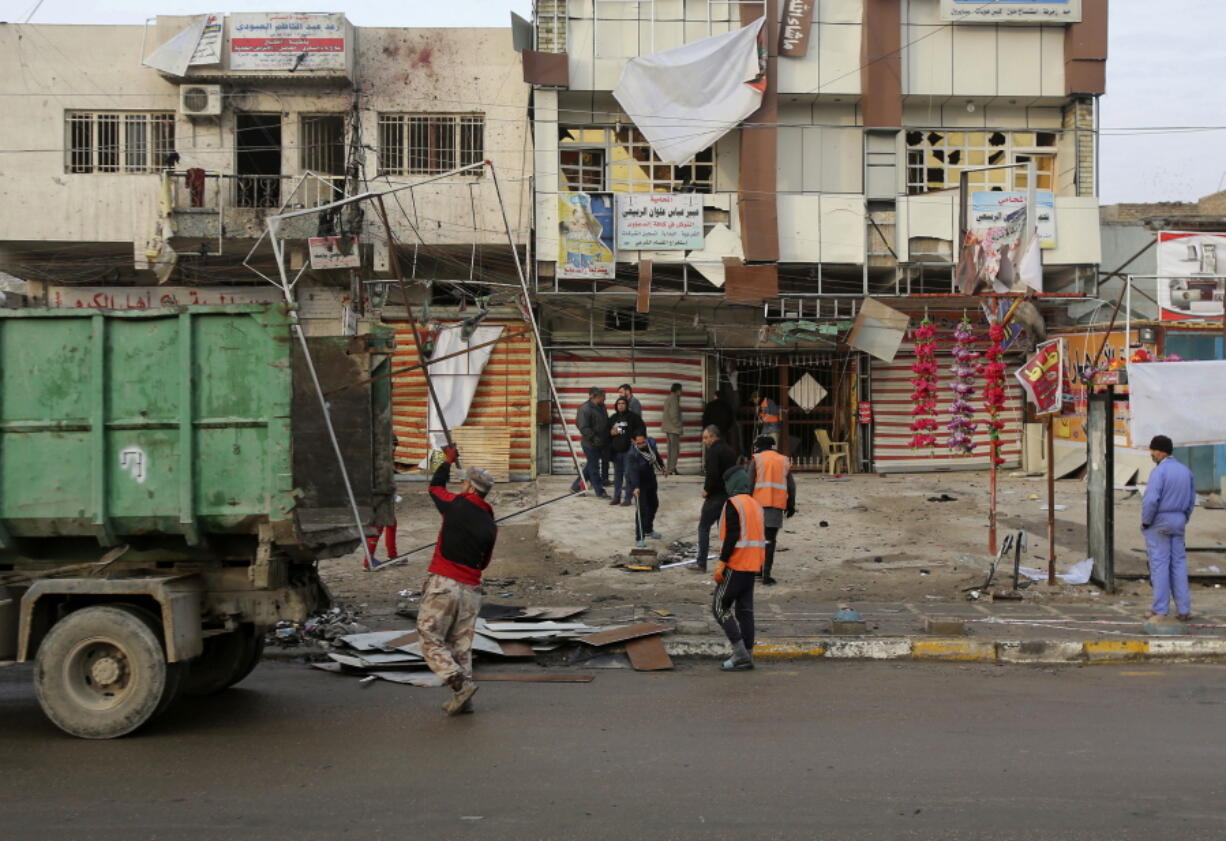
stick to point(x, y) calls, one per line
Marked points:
point(324, 629)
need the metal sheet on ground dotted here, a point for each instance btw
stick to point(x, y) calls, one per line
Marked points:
point(515, 648)
point(536, 677)
point(629, 632)
point(371, 641)
point(426, 680)
point(408, 639)
point(647, 654)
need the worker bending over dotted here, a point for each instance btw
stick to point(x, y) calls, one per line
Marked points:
point(451, 598)
point(770, 473)
point(743, 534)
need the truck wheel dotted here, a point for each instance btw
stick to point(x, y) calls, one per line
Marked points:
point(101, 672)
point(227, 658)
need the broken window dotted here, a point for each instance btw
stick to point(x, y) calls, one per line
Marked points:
point(936, 159)
point(115, 141)
point(322, 144)
point(430, 144)
point(627, 163)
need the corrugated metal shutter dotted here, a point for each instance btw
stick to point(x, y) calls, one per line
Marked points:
point(504, 398)
point(892, 422)
point(652, 373)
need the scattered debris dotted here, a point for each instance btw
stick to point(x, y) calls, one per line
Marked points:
point(876, 565)
point(943, 498)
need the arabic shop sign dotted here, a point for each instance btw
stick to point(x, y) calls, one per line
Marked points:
point(659, 221)
point(287, 41)
point(1011, 11)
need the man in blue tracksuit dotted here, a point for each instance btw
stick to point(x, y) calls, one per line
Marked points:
point(1169, 499)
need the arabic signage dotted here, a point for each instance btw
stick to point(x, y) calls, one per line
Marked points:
point(795, 28)
point(208, 48)
point(1190, 275)
point(994, 209)
point(659, 221)
point(1011, 11)
point(287, 41)
point(585, 236)
point(1042, 377)
point(333, 253)
point(155, 297)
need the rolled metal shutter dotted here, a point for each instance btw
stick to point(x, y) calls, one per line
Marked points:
point(892, 419)
point(504, 398)
point(652, 373)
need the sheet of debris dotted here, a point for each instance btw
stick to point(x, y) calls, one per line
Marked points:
point(513, 634)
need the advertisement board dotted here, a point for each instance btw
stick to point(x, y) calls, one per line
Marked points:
point(997, 209)
point(1190, 281)
point(659, 221)
point(585, 236)
point(1011, 11)
point(1042, 378)
point(287, 41)
point(334, 253)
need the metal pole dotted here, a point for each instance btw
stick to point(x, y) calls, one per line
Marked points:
point(993, 451)
point(526, 308)
point(279, 254)
point(394, 261)
point(1051, 499)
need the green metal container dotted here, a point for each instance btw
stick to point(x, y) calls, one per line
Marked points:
point(173, 426)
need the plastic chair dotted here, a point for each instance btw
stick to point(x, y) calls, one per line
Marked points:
point(832, 451)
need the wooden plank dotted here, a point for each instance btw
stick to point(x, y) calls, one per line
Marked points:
point(647, 654)
point(516, 648)
point(488, 447)
point(629, 632)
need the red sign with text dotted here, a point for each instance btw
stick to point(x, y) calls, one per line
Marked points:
point(1042, 377)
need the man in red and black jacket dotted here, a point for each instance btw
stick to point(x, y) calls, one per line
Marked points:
point(451, 598)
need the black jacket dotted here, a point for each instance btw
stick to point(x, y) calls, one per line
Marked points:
point(593, 423)
point(719, 458)
point(631, 425)
point(717, 413)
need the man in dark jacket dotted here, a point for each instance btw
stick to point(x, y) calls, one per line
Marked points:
point(642, 462)
point(624, 426)
point(593, 423)
point(451, 598)
point(719, 459)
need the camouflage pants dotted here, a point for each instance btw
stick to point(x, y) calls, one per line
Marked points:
point(446, 621)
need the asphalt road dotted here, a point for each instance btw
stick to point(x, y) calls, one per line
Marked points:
point(812, 751)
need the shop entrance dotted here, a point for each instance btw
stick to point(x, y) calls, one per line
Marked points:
point(815, 391)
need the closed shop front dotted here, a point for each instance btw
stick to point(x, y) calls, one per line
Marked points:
point(651, 372)
point(502, 414)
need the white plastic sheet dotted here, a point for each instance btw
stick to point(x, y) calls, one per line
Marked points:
point(1078, 573)
point(1185, 401)
point(455, 380)
point(686, 98)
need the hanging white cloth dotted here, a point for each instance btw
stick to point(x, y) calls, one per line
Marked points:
point(1181, 400)
point(456, 379)
point(1030, 266)
point(686, 98)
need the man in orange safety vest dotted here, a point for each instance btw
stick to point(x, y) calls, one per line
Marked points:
point(742, 532)
point(770, 472)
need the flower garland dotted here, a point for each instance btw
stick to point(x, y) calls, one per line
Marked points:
point(994, 388)
point(960, 426)
point(924, 397)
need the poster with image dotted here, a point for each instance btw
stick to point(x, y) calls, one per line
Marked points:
point(585, 236)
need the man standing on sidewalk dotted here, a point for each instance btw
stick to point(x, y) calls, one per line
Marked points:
point(1166, 507)
point(627, 391)
point(770, 474)
point(447, 615)
point(743, 534)
point(718, 461)
point(671, 426)
point(593, 422)
point(642, 461)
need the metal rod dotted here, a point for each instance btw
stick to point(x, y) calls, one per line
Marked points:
point(394, 262)
point(993, 451)
point(1051, 500)
point(1118, 301)
point(526, 308)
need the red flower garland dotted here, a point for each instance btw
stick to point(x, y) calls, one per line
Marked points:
point(924, 397)
point(994, 388)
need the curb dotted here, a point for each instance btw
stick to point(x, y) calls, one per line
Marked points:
point(959, 650)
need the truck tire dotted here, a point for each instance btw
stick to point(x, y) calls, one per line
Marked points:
point(176, 673)
point(101, 672)
point(227, 658)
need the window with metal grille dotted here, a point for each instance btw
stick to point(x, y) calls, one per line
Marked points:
point(118, 141)
point(322, 144)
point(621, 160)
point(936, 159)
point(430, 144)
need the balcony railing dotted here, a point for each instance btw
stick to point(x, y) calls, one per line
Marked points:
point(201, 190)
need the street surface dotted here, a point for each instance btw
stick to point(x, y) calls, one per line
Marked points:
point(792, 750)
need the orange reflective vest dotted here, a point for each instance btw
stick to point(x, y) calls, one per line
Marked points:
point(763, 412)
point(750, 552)
point(770, 472)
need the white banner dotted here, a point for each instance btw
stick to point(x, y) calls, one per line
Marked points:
point(456, 379)
point(287, 41)
point(1184, 401)
point(1012, 11)
point(659, 221)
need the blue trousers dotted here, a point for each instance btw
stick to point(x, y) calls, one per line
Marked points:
point(619, 474)
point(1168, 562)
point(591, 471)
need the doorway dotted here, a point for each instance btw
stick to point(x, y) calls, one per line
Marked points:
point(257, 143)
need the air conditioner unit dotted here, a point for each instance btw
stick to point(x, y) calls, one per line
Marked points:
point(200, 100)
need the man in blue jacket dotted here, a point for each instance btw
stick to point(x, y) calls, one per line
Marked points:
point(1169, 499)
point(642, 461)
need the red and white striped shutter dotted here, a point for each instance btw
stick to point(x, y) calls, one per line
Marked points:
point(892, 419)
point(651, 373)
point(503, 399)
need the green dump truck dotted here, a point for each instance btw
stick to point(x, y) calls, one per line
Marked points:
point(167, 487)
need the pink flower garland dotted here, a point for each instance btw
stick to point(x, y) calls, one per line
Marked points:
point(924, 397)
point(994, 388)
point(960, 426)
